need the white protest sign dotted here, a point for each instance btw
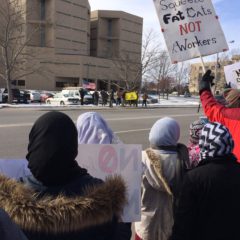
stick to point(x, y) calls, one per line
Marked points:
point(232, 74)
point(102, 160)
point(14, 168)
point(191, 28)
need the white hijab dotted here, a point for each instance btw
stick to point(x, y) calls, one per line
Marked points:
point(93, 129)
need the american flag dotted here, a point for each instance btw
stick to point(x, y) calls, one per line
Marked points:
point(89, 85)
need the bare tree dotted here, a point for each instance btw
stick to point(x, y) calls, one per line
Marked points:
point(162, 71)
point(130, 70)
point(181, 74)
point(15, 58)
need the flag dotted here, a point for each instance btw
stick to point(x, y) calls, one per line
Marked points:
point(89, 85)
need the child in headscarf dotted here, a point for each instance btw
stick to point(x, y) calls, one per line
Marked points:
point(193, 145)
point(163, 162)
point(93, 129)
point(209, 201)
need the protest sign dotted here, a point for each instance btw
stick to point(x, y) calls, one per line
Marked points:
point(232, 74)
point(102, 160)
point(131, 96)
point(14, 168)
point(191, 28)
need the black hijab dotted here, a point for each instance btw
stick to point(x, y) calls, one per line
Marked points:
point(52, 149)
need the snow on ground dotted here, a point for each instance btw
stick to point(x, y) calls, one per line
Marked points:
point(171, 102)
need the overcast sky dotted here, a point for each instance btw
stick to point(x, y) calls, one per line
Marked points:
point(227, 10)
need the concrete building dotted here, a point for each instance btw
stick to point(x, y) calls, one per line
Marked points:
point(73, 44)
point(197, 72)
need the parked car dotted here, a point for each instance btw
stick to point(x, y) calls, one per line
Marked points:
point(62, 99)
point(187, 94)
point(34, 96)
point(18, 96)
point(150, 99)
point(45, 95)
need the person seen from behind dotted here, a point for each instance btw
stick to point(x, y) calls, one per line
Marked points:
point(59, 199)
point(228, 115)
point(209, 201)
point(93, 129)
point(144, 99)
point(164, 163)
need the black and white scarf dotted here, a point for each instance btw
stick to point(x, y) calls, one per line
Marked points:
point(215, 141)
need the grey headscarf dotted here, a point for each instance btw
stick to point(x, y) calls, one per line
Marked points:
point(164, 132)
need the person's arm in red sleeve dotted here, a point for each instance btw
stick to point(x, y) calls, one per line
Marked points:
point(216, 111)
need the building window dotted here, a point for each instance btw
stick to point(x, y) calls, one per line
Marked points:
point(200, 68)
point(21, 82)
point(42, 9)
point(42, 36)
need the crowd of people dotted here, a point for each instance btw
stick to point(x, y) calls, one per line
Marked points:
point(187, 191)
point(118, 98)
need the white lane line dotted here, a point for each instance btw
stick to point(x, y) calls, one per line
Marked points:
point(16, 125)
point(152, 117)
point(109, 119)
point(135, 130)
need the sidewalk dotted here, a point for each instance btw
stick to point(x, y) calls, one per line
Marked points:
point(178, 102)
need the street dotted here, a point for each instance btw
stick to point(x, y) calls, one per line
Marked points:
point(131, 125)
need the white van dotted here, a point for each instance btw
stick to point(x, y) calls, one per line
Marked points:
point(74, 92)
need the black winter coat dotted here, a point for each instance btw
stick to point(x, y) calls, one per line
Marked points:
point(209, 206)
point(86, 209)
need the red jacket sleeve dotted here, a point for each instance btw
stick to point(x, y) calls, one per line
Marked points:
point(215, 111)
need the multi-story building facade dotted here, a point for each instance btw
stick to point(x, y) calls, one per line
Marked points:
point(73, 44)
point(197, 72)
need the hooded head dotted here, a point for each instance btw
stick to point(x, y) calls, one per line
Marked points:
point(52, 149)
point(93, 129)
point(164, 132)
point(195, 131)
point(215, 141)
point(232, 97)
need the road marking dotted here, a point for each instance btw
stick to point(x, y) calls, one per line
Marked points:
point(152, 117)
point(110, 119)
point(135, 130)
point(16, 125)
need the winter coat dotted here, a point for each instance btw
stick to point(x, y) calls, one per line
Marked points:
point(157, 199)
point(209, 203)
point(89, 214)
point(229, 117)
point(9, 230)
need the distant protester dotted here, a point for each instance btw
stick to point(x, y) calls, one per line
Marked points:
point(209, 201)
point(164, 164)
point(193, 145)
point(59, 199)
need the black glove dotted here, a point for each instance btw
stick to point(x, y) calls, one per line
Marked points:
point(206, 82)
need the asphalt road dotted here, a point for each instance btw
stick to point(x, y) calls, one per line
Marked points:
point(131, 125)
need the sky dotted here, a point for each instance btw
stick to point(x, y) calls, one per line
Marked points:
point(227, 10)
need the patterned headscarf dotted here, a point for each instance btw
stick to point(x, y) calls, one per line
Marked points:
point(215, 141)
point(195, 131)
